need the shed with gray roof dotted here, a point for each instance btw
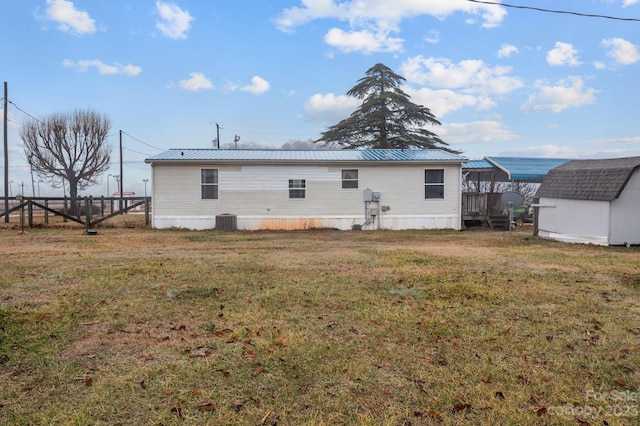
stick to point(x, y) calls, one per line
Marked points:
point(591, 201)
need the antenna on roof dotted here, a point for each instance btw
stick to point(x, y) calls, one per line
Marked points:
point(236, 139)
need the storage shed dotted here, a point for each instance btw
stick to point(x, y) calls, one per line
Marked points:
point(591, 201)
point(302, 189)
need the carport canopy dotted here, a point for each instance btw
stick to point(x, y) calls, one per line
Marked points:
point(510, 169)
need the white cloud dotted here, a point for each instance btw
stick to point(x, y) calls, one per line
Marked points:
point(197, 81)
point(626, 3)
point(472, 76)
point(330, 108)
point(371, 22)
point(615, 141)
point(507, 50)
point(174, 22)
point(69, 18)
point(12, 122)
point(563, 54)
point(379, 11)
point(624, 52)
point(362, 41)
point(104, 69)
point(475, 132)
point(433, 37)
point(258, 86)
point(230, 86)
point(452, 87)
point(566, 94)
point(546, 151)
point(442, 102)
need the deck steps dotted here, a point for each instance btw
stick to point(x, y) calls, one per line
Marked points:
point(498, 222)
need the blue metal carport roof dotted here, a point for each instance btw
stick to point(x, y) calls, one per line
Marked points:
point(524, 169)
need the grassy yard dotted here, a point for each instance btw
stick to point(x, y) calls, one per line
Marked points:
point(135, 326)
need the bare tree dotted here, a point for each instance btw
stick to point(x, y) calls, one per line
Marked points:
point(68, 148)
point(308, 144)
point(526, 189)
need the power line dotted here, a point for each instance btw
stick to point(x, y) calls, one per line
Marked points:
point(137, 152)
point(23, 111)
point(589, 15)
point(143, 143)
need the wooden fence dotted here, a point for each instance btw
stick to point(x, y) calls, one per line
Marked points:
point(87, 211)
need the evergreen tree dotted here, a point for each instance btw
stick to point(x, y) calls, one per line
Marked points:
point(387, 119)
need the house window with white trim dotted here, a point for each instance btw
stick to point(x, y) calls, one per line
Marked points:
point(434, 183)
point(209, 183)
point(297, 188)
point(349, 178)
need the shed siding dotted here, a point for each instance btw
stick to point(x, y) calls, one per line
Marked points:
point(575, 221)
point(258, 196)
point(625, 212)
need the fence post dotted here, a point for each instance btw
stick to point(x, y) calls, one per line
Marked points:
point(88, 205)
point(21, 199)
point(46, 212)
point(146, 210)
point(30, 213)
point(536, 211)
point(64, 209)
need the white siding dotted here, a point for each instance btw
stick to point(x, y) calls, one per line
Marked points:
point(625, 212)
point(259, 196)
point(594, 222)
point(578, 221)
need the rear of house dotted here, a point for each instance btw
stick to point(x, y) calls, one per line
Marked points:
point(591, 201)
point(298, 189)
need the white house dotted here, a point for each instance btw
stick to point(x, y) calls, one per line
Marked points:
point(591, 201)
point(304, 189)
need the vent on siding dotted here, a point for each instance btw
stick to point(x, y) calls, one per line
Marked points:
point(226, 222)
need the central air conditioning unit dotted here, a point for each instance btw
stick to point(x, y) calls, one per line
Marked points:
point(226, 222)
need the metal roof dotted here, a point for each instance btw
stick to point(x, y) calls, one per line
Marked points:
point(280, 155)
point(477, 164)
point(526, 169)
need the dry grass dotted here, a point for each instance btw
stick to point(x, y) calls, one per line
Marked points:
point(134, 326)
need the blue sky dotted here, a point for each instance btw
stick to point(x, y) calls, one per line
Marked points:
point(501, 80)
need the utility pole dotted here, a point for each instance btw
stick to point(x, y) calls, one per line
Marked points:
point(33, 183)
point(218, 134)
point(6, 154)
point(120, 183)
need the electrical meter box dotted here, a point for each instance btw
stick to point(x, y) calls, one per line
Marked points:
point(370, 195)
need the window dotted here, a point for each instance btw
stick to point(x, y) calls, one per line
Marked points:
point(297, 188)
point(434, 183)
point(349, 178)
point(209, 181)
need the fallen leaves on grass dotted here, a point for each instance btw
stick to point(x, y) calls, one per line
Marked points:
point(201, 353)
point(207, 407)
point(624, 385)
point(430, 414)
point(177, 411)
point(461, 407)
point(541, 411)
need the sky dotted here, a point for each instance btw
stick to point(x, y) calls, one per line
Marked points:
point(502, 80)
